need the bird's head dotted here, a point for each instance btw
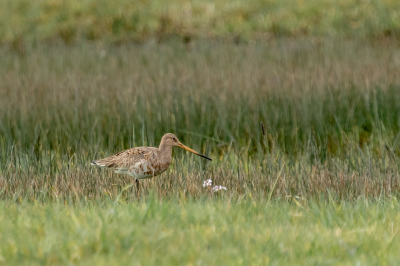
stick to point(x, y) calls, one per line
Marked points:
point(171, 140)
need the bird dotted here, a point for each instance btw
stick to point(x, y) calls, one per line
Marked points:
point(144, 162)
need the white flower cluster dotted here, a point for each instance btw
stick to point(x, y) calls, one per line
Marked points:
point(217, 188)
point(207, 183)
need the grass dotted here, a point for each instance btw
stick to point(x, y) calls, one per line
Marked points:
point(320, 187)
point(200, 232)
point(331, 112)
point(24, 22)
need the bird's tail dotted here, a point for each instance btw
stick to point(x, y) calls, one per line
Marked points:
point(94, 163)
point(106, 162)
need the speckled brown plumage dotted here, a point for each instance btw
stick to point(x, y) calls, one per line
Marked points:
point(144, 162)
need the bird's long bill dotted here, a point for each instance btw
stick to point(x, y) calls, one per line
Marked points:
point(193, 151)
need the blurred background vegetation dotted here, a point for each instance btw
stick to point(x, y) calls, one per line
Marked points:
point(24, 21)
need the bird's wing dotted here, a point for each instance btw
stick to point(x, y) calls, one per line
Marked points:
point(126, 158)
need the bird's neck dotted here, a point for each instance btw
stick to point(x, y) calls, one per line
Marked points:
point(166, 150)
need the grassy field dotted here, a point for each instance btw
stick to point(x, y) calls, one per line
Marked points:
point(200, 233)
point(331, 112)
point(121, 21)
point(319, 188)
point(82, 80)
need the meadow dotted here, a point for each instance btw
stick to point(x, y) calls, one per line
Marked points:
point(121, 21)
point(318, 184)
point(331, 113)
point(200, 232)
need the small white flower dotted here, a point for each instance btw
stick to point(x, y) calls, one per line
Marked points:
point(207, 183)
point(217, 188)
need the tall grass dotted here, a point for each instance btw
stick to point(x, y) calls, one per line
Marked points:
point(331, 110)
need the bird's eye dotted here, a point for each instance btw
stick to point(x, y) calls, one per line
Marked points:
point(174, 138)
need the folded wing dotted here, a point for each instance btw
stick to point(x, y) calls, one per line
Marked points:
point(125, 159)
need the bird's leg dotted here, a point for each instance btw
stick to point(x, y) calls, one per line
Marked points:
point(137, 186)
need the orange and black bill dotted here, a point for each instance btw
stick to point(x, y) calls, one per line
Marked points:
point(193, 151)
